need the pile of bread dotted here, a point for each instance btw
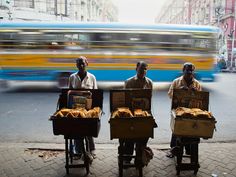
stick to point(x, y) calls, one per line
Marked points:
point(79, 113)
point(192, 113)
point(125, 112)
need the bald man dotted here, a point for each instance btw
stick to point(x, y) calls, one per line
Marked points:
point(86, 80)
point(82, 78)
point(186, 81)
point(138, 81)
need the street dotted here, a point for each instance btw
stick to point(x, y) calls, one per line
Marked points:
point(26, 108)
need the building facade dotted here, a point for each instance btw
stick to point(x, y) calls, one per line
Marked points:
point(58, 10)
point(220, 13)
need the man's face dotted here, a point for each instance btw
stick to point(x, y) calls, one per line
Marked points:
point(188, 73)
point(141, 71)
point(81, 65)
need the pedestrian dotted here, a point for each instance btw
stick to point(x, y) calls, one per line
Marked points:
point(186, 81)
point(85, 80)
point(138, 81)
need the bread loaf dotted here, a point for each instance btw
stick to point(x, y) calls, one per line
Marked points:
point(122, 112)
point(192, 112)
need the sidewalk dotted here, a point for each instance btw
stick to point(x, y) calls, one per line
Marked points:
point(25, 160)
point(233, 70)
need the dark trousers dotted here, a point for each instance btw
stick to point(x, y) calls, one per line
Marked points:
point(129, 146)
point(188, 147)
point(173, 144)
point(79, 144)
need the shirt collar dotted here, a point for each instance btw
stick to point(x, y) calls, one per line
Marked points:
point(77, 75)
point(136, 78)
point(184, 82)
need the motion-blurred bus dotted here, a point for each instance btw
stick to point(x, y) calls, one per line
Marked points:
point(47, 51)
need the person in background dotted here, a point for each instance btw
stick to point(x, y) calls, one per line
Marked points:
point(186, 81)
point(83, 79)
point(138, 81)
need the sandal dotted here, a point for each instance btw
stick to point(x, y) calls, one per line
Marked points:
point(93, 154)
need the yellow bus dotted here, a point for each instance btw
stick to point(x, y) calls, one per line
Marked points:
point(47, 51)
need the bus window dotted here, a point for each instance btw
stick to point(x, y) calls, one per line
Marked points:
point(7, 39)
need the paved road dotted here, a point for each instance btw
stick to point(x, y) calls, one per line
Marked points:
point(25, 109)
point(216, 160)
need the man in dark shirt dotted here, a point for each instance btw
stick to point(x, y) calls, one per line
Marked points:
point(138, 81)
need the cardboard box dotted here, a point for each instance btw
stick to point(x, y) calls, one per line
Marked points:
point(191, 126)
point(78, 98)
point(134, 127)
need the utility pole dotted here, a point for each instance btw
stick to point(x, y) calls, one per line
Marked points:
point(218, 13)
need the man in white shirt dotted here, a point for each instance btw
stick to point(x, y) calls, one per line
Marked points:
point(86, 80)
point(82, 78)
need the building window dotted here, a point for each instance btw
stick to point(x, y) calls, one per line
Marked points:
point(83, 6)
point(61, 7)
point(76, 15)
point(50, 7)
point(24, 3)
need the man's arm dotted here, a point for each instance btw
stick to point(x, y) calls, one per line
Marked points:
point(199, 87)
point(70, 82)
point(126, 85)
point(95, 86)
point(151, 85)
point(170, 92)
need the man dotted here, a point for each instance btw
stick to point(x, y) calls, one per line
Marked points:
point(187, 81)
point(82, 78)
point(138, 81)
point(86, 80)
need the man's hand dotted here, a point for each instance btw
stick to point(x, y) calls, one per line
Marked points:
point(184, 88)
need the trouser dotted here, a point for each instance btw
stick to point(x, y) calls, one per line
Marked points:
point(129, 146)
point(79, 144)
point(187, 146)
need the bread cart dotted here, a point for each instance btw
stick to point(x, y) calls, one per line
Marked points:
point(188, 126)
point(136, 129)
point(73, 128)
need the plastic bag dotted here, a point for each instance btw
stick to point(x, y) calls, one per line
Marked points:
point(147, 155)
